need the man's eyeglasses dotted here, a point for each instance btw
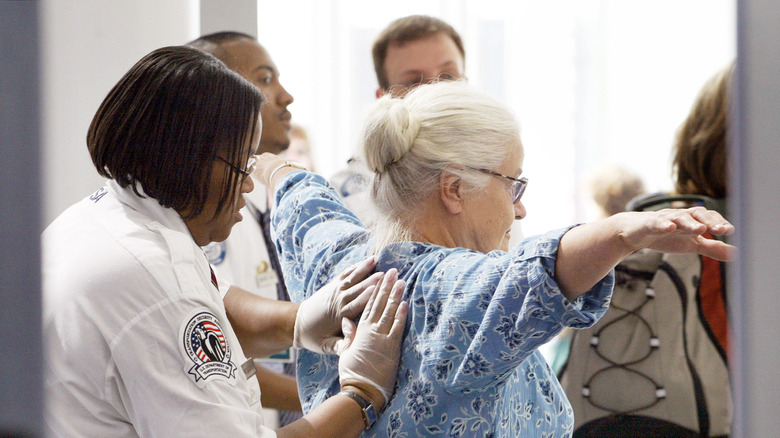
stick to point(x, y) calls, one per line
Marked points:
point(402, 89)
point(251, 165)
point(518, 184)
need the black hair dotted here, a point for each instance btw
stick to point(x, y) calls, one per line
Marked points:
point(163, 125)
point(212, 43)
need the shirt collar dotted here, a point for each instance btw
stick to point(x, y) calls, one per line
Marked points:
point(148, 206)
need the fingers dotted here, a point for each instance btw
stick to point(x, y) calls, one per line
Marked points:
point(686, 233)
point(350, 298)
point(682, 221)
point(395, 313)
point(716, 249)
point(694, 220)
point(349, 329)
point(357, 272)
point(371, 292)
point(352, 301)
point(376, 310)
point(714, 221)
point(399, 322)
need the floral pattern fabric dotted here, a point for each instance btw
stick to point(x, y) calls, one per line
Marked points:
point(470, 364)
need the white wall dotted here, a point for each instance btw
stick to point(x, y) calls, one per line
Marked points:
point(87, 45)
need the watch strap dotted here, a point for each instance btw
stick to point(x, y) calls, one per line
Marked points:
point(366, 407)
point(284, 164)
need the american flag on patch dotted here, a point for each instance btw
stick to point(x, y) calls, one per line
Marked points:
point(208, 342)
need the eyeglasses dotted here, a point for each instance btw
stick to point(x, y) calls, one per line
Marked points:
point(402, 89)
point(518, 184)
point(251, 165)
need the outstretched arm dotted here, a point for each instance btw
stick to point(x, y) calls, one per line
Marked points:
point(587, 253)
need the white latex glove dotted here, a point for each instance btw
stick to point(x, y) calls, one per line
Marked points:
point(370, 361)
point(318, 321)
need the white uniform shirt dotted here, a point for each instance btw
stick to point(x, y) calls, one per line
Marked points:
point(138, 342)
point(243, 260)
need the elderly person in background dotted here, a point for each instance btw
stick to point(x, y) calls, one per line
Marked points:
point(448, 165)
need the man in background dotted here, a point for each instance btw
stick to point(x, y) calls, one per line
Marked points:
point(415, 50)
point(410, 51)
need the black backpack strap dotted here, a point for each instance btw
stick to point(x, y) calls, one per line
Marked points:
point(657, 201)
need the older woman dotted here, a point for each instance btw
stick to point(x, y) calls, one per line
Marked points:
point(448, 163)
point(139, 342)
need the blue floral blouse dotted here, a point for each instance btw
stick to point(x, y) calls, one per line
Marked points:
point(470, 364)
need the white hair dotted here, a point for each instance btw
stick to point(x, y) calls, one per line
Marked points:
point(409, 141)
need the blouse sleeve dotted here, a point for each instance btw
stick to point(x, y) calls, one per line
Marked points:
point(303, 202)
point(479, 316)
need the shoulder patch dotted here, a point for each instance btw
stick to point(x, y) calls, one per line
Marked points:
point(205, 349)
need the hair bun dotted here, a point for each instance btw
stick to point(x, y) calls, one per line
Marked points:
point(391, 130)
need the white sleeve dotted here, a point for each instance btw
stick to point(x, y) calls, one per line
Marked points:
point(222, 282)
point(177, 371)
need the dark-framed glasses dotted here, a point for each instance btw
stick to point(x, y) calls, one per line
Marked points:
point(402, 89)
point(518, 184)
point(251, 165)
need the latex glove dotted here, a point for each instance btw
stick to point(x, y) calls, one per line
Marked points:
point(370, 361)
point(318, 321)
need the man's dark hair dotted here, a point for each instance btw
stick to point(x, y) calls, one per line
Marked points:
point(404, 30)
point(167, 120)
point(212, 43)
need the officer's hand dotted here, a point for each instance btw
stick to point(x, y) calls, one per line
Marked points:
point(318, 321)
point(370, 362)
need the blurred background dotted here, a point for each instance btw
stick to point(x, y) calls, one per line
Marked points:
point(594, 83)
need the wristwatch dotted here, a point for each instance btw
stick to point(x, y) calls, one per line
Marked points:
point(367, 408)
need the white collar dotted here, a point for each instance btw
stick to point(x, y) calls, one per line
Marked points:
point(149, 207)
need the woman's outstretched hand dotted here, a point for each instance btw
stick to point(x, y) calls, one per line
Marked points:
point(678, 231)
point(588, 252)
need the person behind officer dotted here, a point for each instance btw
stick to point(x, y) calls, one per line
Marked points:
point(246, 258)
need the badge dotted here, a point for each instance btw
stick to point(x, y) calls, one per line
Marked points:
point(204, 344)
point(265, 276)
point(215, 252)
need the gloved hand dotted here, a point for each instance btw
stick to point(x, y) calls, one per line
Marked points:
point(370, 353)
point(318, 321)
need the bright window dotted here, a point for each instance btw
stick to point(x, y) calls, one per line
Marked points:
point(592, 82)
